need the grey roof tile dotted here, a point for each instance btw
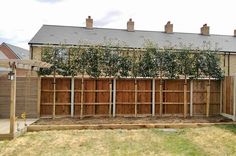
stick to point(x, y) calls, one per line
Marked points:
point(53, 34)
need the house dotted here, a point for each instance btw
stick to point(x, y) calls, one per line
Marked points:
point(131, 38)
point(8, 51)
point(68, 99)
point(13, 52)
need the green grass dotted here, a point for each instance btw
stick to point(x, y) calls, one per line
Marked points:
point(213, 140)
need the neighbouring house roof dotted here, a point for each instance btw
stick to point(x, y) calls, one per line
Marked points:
point(18, 51)
point(70, 35)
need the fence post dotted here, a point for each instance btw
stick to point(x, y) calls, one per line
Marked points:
point(224, 95)
point(161, 97)
point(234, 94)
point(54, 95)
point(221, 96)
point(13, 102)
point(114, 97)
point(39, 96)
point(72, 95)
point(110, 96)
point(208, 100)
point(82, 97)
point(185, 100)
point(191, 98)
point(153, 96)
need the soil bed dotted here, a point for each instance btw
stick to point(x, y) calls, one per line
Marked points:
point(129, 120)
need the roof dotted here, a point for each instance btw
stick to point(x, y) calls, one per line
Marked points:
point(70, 35)
point(2, 56)
point(18, 51)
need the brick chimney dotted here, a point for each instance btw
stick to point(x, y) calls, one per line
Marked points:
point(168, 27)
point(234, 32)
point(130, 25)
point(205, 30)
point(89, 22)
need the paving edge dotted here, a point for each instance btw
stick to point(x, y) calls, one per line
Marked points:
point(35, 128)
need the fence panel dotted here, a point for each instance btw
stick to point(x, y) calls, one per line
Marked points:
point(97, 97)
point(62, 96)
point(173, 96)
point(144, 97)
point(125, 98)
point(77, 96)
point(102, 97)
point(228, 93)
point(26, 96)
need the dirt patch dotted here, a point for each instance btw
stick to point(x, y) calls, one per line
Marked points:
point(129, 120)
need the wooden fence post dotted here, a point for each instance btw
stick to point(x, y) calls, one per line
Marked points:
point(224, 95)
point(153, 96)
point(54, 95)
point(114, 97)
point(13, 101)
point(135, 96)
point(39, 96)
point(82, 97)
point(110, 97)
point(221, 96)
point(161, 97)
point(185, 100)
point(72, 95)
point(208, 100)
point(191, 98)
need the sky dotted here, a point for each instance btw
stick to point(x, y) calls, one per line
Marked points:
point(21, 19)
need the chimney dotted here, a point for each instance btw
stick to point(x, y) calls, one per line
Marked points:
point(234, 32)
point(130, 25)
point(168, 27)
point(205, 30)
point(89, 22)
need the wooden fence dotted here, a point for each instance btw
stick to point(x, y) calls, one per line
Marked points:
point(125, 101)
point(26, 96)
point(229, 97)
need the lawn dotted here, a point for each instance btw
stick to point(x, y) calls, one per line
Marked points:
point(213, 140)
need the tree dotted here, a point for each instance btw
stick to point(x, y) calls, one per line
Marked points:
point(57, 57)
point(170, 61)
point(146, 66)
point(109, 63)
point(124, 66)
point(211, 69)
point(93, 59)
point(185, 63)
point(199, 63)
point(134, 73)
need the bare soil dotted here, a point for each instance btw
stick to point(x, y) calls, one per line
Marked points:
point(129, 120)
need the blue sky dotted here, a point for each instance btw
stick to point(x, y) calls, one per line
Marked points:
point(20, 20)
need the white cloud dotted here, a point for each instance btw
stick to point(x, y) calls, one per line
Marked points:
point(49, 1)
point(22, 19)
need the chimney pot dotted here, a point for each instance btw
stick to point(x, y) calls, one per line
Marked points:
point(205, 30)
point(89, 22)
point(130, 25)
point(169, 27)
